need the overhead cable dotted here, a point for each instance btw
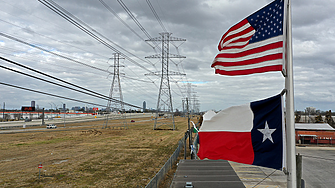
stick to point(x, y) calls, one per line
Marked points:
point(48, 51)
point(58, 79)
point(134, 18)
point(30, 30)
point(65, 14)
point(53, 95)
point(131, 15)
point(123, 22)
point(156, 15)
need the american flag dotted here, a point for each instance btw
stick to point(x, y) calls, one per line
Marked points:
point(254, 45)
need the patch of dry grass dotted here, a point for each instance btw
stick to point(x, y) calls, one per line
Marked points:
point(87, 158)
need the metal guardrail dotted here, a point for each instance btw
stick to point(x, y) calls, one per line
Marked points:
point(167, 166)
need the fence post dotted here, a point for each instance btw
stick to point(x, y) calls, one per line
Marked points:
point(185, 143)
point(299, 169)
point(154, 182)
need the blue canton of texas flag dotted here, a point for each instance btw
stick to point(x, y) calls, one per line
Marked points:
point(268, 136)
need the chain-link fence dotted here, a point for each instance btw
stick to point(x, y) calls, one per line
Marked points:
point(167, 166)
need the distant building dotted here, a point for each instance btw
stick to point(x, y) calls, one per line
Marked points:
point(32, 104)
point(144, 106)
point(314, 133)
point(76, 108)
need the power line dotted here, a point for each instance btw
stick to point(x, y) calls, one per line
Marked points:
point(138, 88)
point(58, 79)
point(172, 42)
point(125, 8)
point(65, 14)
point(53, 95)
point(123, 22)
point(30, 30)
point(160, 8)
point(50, 82)
point(164, 103)
point(50, 68)
point(115, 89)
point(137, 79)
point(134, 18)
point(48, 51)
point(156, 15)
point(67, 58)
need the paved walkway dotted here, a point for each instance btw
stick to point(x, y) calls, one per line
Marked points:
point(221, 173)
point(206, 174)
point(255, 176)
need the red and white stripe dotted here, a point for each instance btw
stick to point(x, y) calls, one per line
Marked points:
point(238, 57)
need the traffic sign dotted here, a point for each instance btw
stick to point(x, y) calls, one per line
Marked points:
point(40, 166)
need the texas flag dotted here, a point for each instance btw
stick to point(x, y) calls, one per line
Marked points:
point(252, 134)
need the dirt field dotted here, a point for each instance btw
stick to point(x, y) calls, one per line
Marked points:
point(92, 157)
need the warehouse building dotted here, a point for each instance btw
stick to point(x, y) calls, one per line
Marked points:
point(314, 133)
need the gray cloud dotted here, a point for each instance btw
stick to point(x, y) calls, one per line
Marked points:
point(201, 23)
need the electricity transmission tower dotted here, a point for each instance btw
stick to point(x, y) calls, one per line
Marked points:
point(164, 102)
point(192, 101)
point(115, 91)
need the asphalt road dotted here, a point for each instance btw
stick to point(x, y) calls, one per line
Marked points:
point(318, 166)
point(16, 126)
point(19, 124)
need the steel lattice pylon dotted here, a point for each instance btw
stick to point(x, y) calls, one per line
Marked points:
point(115, 91)
point(164, 102)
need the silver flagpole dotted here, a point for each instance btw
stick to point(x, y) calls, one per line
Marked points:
point(291, 161)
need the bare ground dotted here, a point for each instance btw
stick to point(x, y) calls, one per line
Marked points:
point(92, 157)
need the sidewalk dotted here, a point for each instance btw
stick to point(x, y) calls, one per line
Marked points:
point(221, 173)
point(251, 175)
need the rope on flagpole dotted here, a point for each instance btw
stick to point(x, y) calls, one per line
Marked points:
point(264, 178)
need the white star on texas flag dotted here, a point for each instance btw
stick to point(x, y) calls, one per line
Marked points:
point(267, 132)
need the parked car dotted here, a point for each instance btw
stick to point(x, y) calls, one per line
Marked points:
point(51, 126)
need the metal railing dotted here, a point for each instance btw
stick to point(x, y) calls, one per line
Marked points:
point(167, 166)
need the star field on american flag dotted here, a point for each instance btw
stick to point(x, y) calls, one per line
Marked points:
point(268, 23)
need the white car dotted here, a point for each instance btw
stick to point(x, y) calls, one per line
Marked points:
point(51, 126)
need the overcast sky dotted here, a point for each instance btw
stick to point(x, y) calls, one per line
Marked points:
point(200, 22)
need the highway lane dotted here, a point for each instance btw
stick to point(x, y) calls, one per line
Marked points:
point(37, 122)
point(318, 165)
point(18, 125)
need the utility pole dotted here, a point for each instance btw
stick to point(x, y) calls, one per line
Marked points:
point(64, 110)
point(3, 111)
point(43, 123)
point(188, 124)
point(115, 91)
point(164, 102)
